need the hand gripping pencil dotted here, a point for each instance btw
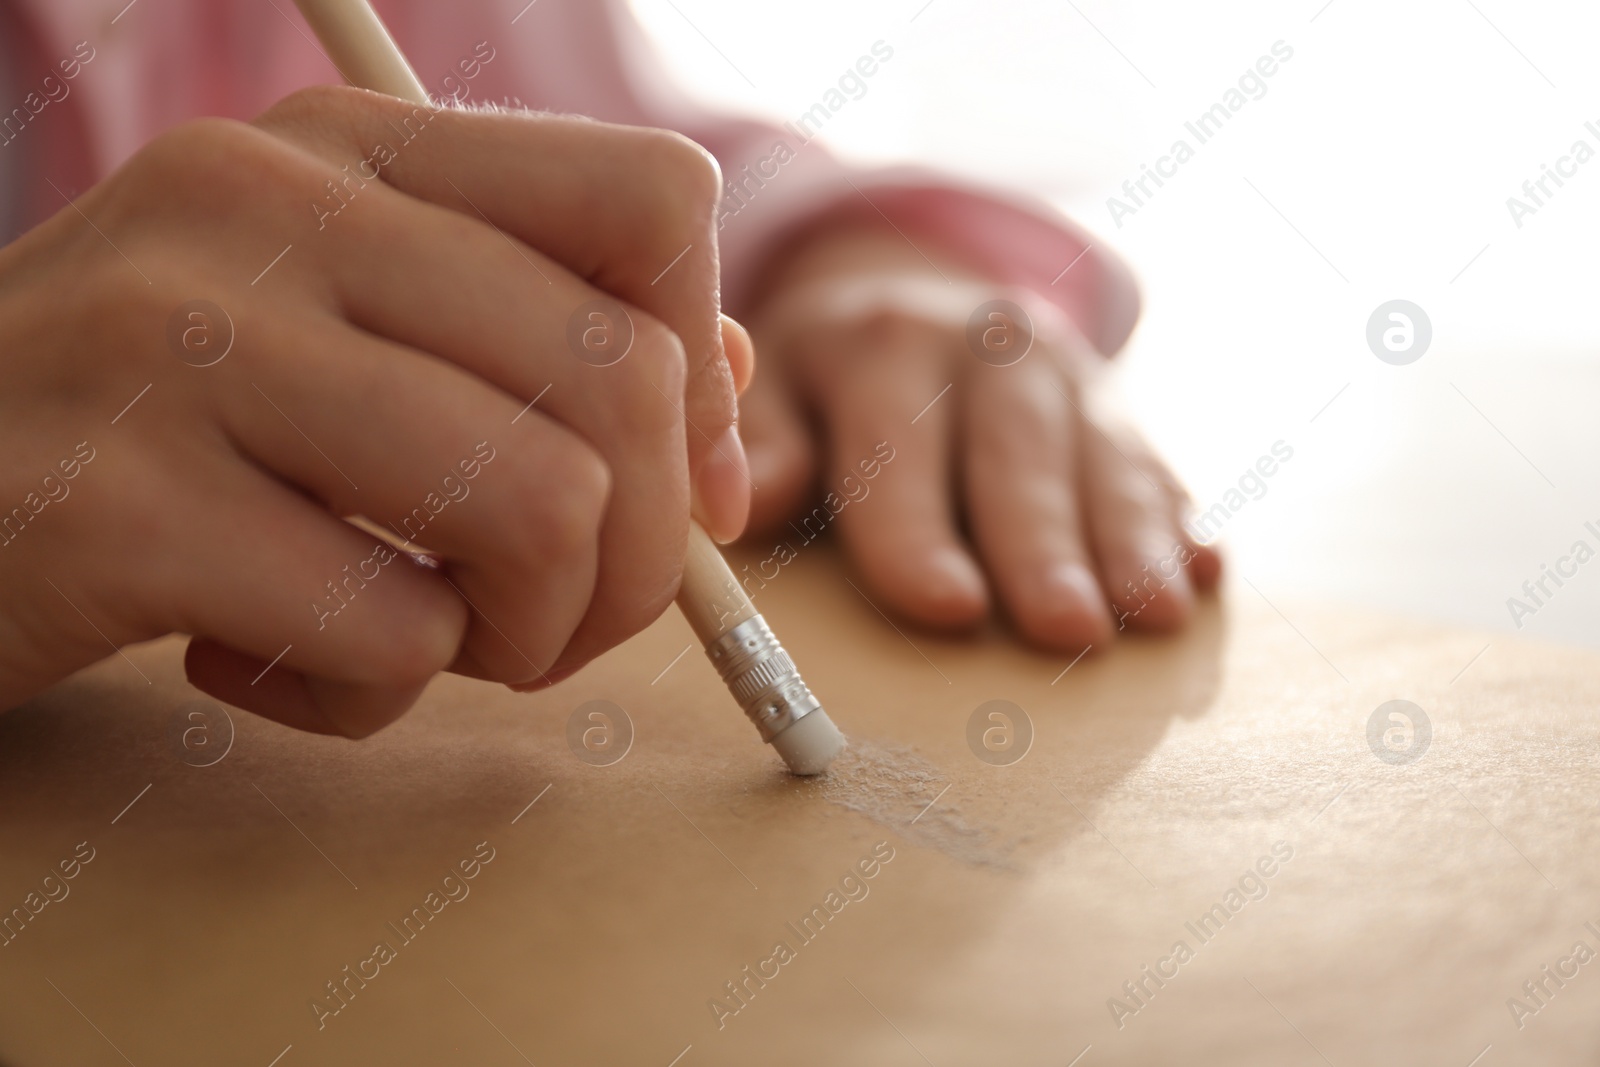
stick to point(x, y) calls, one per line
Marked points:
point(753, 665)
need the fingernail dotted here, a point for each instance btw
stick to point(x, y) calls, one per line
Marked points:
point(954, 574)
point(953, 591)
point(741, 353)
point(1072, 584)
point(763, 462)
point(546, 680)
point(722, 490)
point(1074, 605)
point(358, 709)
point(1155, 601)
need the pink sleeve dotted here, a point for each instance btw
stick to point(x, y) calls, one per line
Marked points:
point(160, 64)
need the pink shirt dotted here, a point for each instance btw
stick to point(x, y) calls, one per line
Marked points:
point(138, 69)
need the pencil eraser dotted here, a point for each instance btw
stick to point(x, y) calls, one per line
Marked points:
point(810, 743)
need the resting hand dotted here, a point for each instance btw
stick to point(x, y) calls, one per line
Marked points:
point(1022, 482)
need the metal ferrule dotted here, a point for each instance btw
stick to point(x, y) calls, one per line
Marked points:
point(761, 677)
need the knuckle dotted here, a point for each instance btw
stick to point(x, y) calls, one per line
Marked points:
point(313, 105)
point(566, 512)
point(652, 393)
point(649, 565)
point(895, 331)
point(1031, 414)
point(201, 153)
point(207, 171)
point(686, 177)
point(660, 348)
point(411, 654)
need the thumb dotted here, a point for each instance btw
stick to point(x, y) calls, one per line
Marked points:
point(782, 453)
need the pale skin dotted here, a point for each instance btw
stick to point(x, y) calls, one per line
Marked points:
point(1023, 489)
point(426, 327)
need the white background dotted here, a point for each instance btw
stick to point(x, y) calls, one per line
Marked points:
point(1390, 142)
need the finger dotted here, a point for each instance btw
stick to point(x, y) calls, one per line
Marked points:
point(269, 581)
point(1022, 488)
point(1140, 553)
point(741, 353)
point(783, 457)
point(1205, 560)
point(624, 396)
point(631, 210)
point(723, 487)
point(509, 498)
point(1202, 562)
point(302, 701)
point(881, 400)
point(250, 563)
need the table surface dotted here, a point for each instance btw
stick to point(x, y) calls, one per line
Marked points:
point(1361, 910)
